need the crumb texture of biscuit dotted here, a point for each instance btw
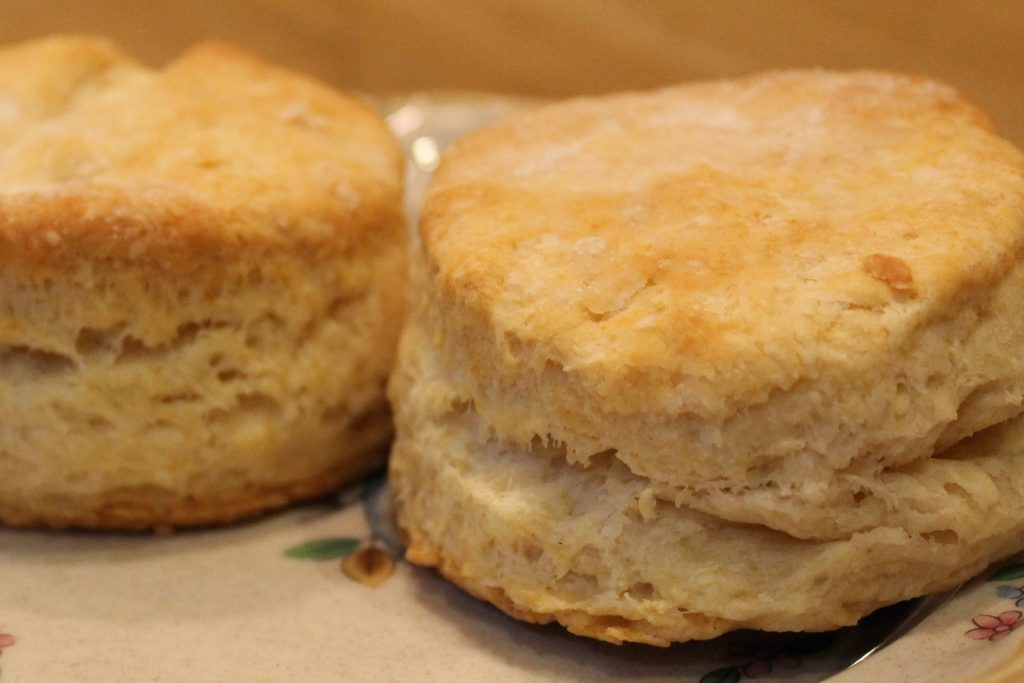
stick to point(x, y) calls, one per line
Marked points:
point(596, 548)
point(735, 354)
point(202, 279)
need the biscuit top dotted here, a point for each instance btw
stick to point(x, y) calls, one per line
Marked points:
point(729, 232)
point(100, 156)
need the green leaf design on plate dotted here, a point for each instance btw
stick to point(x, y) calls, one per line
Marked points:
point(729, 674)
point(323, 548)
point(1013, 571)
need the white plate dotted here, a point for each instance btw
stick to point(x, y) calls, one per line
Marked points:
point(250, 603)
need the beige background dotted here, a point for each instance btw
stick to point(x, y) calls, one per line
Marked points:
point(562, 47)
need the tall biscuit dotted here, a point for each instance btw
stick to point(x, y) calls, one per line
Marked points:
point(688, 361)
point(201, 273)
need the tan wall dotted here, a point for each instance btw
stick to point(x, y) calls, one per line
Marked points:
point(561, 47)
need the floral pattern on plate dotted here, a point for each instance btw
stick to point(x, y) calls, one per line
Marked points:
point(994, 627)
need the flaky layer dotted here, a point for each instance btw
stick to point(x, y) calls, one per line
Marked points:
point(756, 283)
point(596, 550)
point(177, 395)
point(930, 487)
point(216, 495)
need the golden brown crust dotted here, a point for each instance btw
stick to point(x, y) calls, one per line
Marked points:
point(609, 628)
point(216, 153)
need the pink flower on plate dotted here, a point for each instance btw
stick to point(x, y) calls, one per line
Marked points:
point(994, 628)
point(6, 640)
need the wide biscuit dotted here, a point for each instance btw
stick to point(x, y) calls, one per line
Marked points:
point(693, 360)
